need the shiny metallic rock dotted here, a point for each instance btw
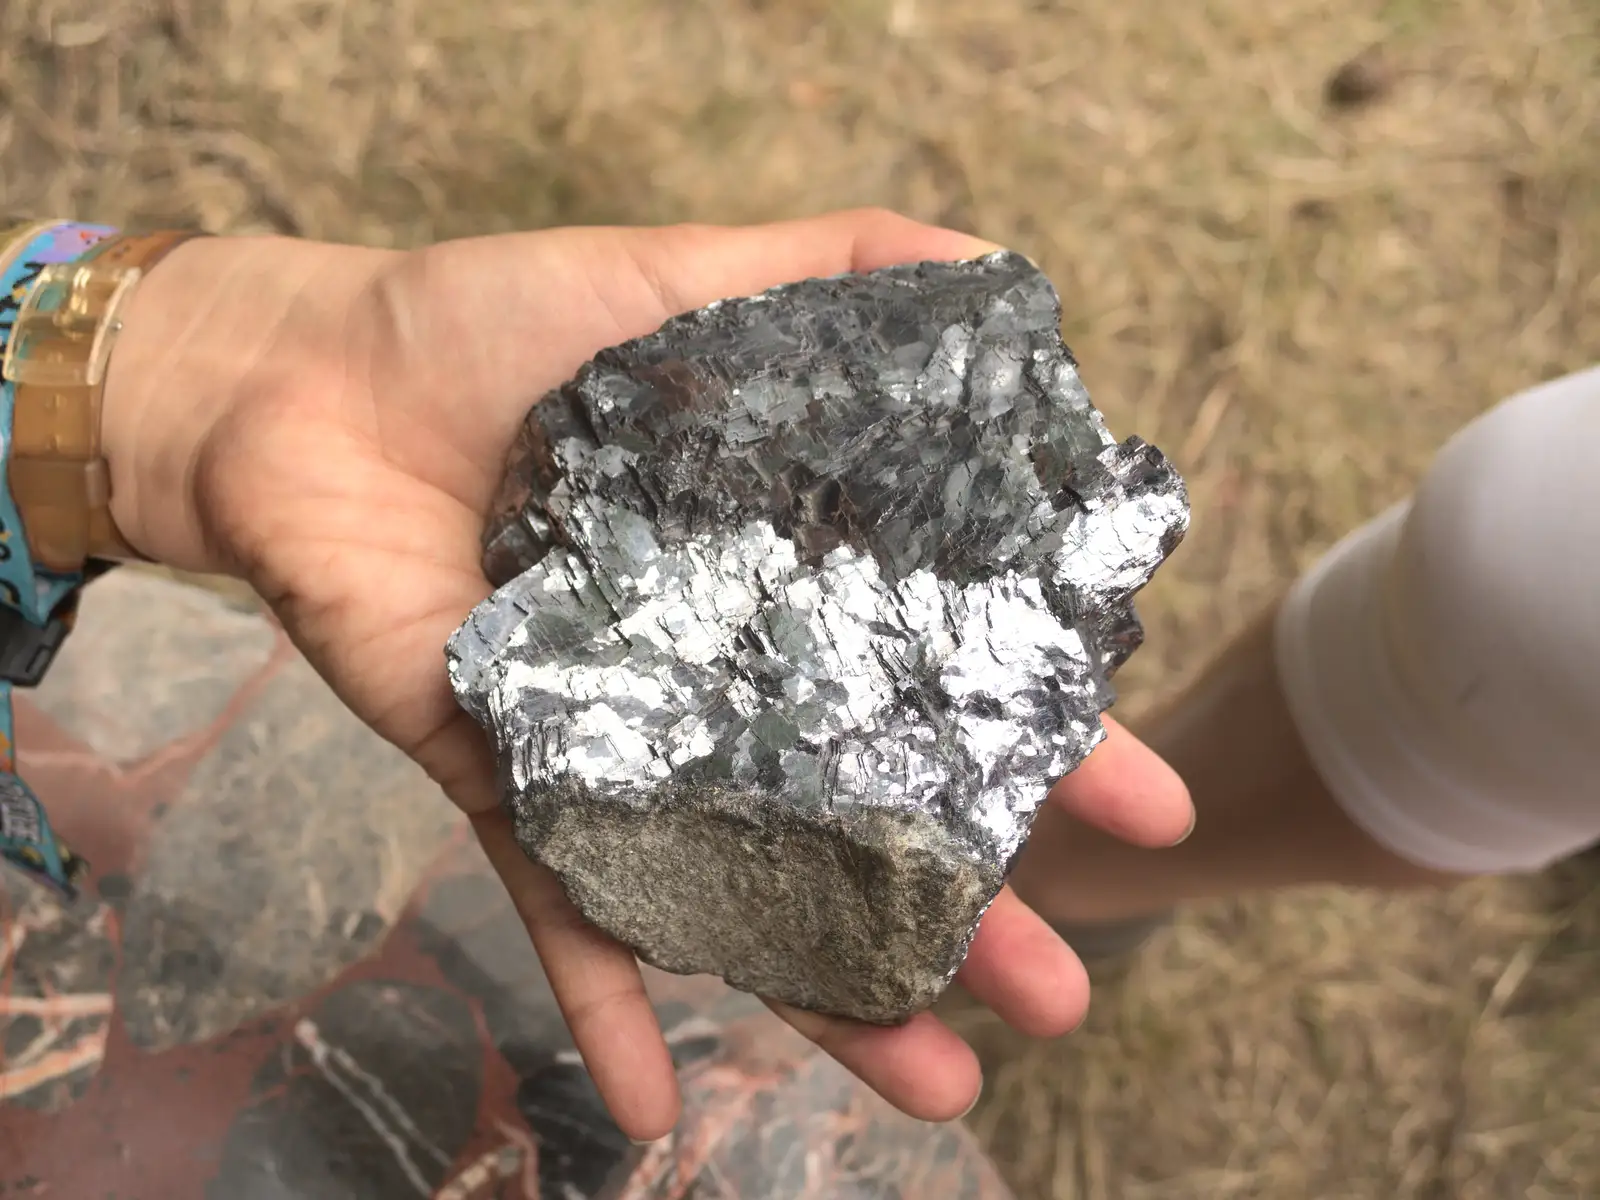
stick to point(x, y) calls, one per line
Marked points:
point(805, 600)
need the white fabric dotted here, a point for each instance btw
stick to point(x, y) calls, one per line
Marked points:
point(1442, 663)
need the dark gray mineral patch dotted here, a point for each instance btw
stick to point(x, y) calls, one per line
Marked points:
point(805, 600)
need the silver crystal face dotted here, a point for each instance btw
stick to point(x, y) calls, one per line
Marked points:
point(806, 600)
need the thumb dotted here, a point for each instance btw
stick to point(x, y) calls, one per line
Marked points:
point(687, 266)
point(517, 314)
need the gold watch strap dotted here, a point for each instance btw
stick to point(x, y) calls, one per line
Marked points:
point(60, 348)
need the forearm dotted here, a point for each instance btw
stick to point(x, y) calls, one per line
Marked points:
point(1234, 740)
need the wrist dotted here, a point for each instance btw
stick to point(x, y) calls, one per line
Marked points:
point(218, 323)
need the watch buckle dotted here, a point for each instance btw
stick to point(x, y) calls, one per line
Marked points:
point(26, 649)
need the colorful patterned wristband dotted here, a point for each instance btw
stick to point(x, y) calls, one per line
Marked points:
point(35, 606)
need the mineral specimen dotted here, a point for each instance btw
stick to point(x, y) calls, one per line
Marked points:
point(805, 601)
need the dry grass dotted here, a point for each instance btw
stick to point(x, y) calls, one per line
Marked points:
point(1298, 287)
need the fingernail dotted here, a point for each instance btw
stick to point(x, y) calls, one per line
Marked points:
point(982, 248)
point(997, 249)
point(648, 1141)
point(976, 1097)
point(1194, 818)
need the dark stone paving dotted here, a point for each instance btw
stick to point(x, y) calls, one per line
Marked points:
point(260, 995)
point(287, 855)
point(151, 661)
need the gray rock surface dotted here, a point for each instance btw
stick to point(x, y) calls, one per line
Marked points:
point(186, 651)
point(285, 857)
point(806, 600)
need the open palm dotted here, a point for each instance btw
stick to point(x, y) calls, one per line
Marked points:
point(356, 504)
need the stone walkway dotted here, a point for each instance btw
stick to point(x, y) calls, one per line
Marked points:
point(292, 974)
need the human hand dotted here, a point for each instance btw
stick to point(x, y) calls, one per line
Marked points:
point(332, 423)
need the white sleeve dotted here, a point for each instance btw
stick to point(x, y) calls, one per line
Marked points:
point(1442, 663)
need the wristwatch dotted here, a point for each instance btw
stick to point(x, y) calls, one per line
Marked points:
point(56, 361)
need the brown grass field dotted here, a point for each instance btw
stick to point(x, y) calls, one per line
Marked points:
point(1298, 243)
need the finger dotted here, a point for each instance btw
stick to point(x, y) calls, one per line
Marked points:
point(456, 755)
point(597, 984)
point(533, 307)
point(1019, 967)
point(921, 1067)
point(1128, 790)
point(688, 266)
